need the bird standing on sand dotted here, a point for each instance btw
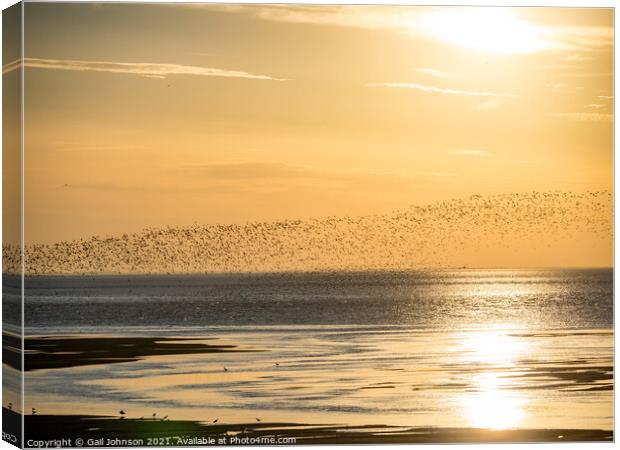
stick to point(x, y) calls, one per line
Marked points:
point(257, 419)
point(34, 411)
point(225, 369)
point(215, 421)
point(122, 413)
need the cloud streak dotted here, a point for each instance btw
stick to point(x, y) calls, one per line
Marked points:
point(414, 21)
point(150, 70)
point(273, 170)
point(265, 176)
point(437, 90)
point(12, 66)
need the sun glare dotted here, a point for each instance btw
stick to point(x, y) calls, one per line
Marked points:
point(493, 406)
point(492, 347)
point(496, 30)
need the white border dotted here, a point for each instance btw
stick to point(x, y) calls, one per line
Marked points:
point(532, 3)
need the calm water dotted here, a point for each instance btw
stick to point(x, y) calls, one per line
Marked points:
point(481, 348)
point(429, 300)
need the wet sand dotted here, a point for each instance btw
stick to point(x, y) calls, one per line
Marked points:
point(52, 352)
point(180, 432)
point(192, 379)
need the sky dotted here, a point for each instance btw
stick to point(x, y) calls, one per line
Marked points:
point(168, 115)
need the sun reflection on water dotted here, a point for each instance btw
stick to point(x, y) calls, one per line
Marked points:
point(491, 347)
point(491, 403)
point(493, 406)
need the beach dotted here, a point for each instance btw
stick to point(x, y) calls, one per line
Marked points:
point(108, 431)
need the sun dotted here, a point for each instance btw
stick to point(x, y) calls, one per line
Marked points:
point(491, 29)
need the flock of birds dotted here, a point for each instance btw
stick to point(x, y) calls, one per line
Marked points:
point(449, 233)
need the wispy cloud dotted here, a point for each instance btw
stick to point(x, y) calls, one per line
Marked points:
point(274, 170)
point(580, 37)
point(10, 67)
point(355, 16)
point(576, 57)
point(605, 97)
point(150, 70)
point(438, 90)
point(469, 152)
point(274, 176)
point(429, 21)
point(433, 72)
point(586, 117)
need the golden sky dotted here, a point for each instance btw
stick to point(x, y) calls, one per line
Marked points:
point(157, 115)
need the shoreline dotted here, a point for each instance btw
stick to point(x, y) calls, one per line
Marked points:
point(106, 431)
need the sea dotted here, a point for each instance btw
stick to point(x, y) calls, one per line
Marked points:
point(471, 348)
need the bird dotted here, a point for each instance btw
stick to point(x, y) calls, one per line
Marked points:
point(11, 406)
point(225, 369)
point(277, 364)
point(34, 411)
point(215, 421)
point(257, 419)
